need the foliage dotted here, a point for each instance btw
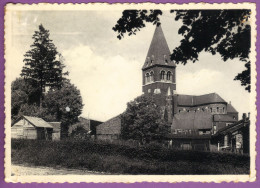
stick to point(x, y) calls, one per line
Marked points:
point(226, 32)
point(54, 103)
point(23, 92)
point(122, 159)
point(80, 133)
point(36, 111)
point(43, 63)
point(64, 104)
point(143, 121)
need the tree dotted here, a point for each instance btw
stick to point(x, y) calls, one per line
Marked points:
point(143, 121)
point(226, 32)
point(43, 63)
point(64, 104)
point(23, 92)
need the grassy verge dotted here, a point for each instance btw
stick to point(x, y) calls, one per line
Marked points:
point(122, 159)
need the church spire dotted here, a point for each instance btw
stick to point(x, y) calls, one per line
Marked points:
point(159, 52)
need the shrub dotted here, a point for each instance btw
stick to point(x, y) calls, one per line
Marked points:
point(116, 158)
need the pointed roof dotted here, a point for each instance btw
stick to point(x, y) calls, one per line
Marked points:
point(35, 121)
point(159, 52)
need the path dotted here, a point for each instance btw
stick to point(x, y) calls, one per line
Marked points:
point(21, 170)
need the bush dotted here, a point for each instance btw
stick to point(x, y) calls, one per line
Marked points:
point(116, 158)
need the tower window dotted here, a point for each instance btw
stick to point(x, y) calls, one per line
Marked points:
point(223, 110)
point(169, 76)
point(217, 109)
point(162, 75)
point(151, 76)
point(147, 78)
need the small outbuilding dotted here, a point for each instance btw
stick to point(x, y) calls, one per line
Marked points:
point(109, 130)
point(28, 127)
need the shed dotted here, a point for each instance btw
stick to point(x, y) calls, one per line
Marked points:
point(109, 130)
point(56, 130)
point(28, 127)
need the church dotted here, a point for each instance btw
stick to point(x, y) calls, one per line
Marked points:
point(193, 118)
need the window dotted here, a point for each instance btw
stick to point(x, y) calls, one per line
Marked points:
point(169, 76)
point(217, 109)
point(147, 78)
point(214, 129)
point(152, 76)
point(202, 109)
point(211, 110)
point(179, 111)
point(162, 75)
point(234, 117)
point(223, 110)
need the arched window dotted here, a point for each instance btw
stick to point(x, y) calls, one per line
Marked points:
point(169, 76)
point(162, 75)
point(151, 76)
point(147, 78)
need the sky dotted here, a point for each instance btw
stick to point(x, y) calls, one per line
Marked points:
point(107, 71)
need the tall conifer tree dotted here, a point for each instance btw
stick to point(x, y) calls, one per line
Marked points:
point(43, 63)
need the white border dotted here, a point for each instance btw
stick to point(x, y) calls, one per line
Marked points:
point(126, 178)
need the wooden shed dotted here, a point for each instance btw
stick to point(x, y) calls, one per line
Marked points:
point(27, 127)
point(56, 130)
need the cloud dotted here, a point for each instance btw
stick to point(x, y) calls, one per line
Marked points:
point(200, 82)
point(106, 83)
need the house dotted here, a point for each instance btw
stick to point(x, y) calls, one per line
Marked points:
point(191, 130)
point(28, 127)
point(234, 137)
point(109, 130)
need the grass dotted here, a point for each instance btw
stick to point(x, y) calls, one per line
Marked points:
point(125, 159)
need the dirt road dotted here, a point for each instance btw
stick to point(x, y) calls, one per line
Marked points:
point(20, 170)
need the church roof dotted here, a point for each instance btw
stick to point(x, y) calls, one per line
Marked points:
point(231, 109)
point(192, 120)
point(192, 100)
point(159, 52)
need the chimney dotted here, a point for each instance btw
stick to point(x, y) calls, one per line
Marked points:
point(244, 116)
point(248, 115)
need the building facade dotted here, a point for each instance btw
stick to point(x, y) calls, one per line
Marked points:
point(28, 127)
point(193, 118)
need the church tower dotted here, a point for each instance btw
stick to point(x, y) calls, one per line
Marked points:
point(158, 70)
point(159, 74)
